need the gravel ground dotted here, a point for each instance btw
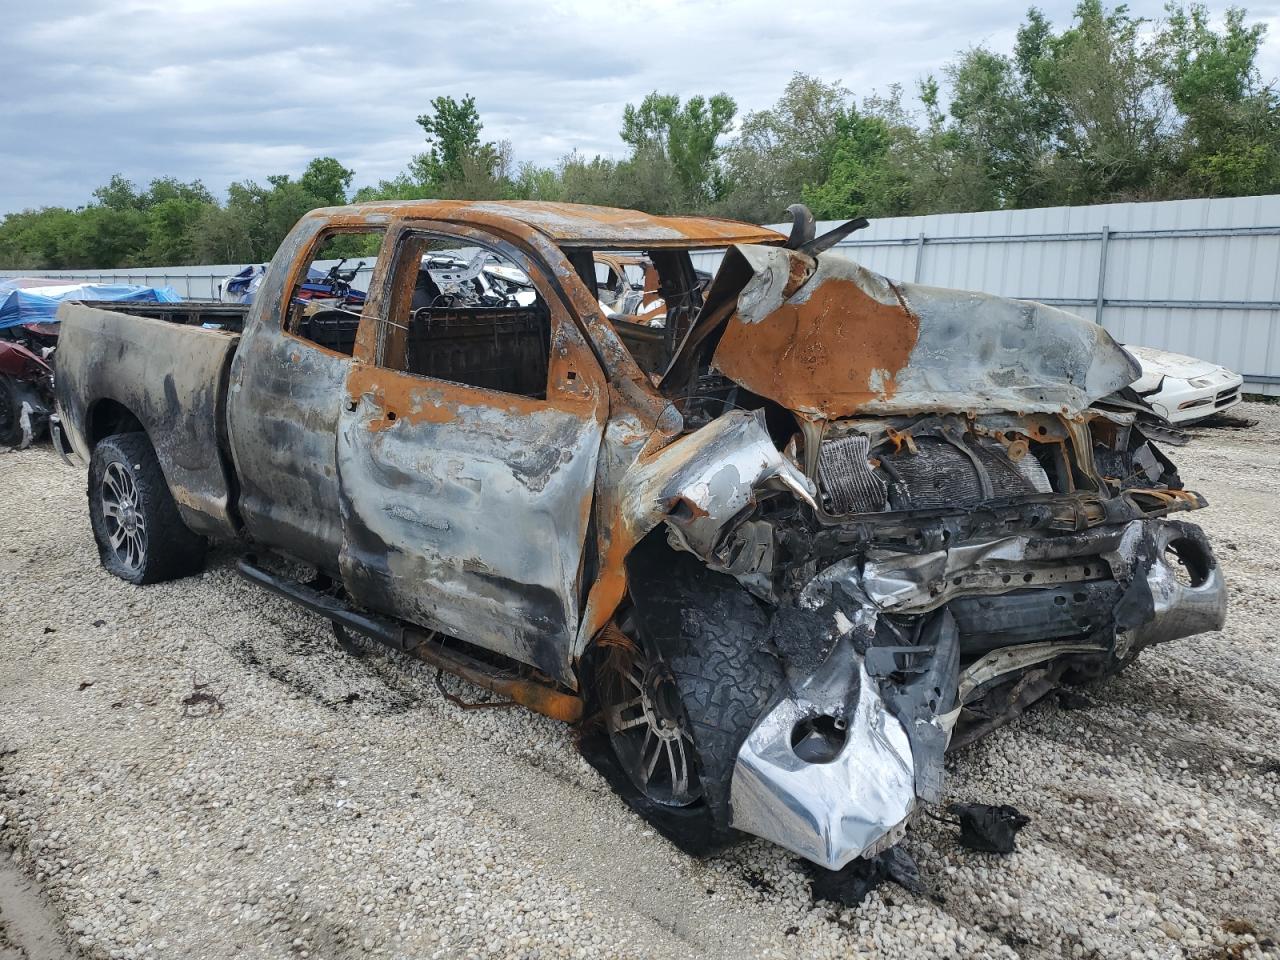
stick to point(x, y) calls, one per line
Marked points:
point(331, 806)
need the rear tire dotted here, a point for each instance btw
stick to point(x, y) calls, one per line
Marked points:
point(140, 534)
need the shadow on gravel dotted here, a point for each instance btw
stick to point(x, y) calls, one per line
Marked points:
point(311, 662)
point(1228, 420)
point(359, 686)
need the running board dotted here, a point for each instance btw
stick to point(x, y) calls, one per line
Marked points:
point(539, 697)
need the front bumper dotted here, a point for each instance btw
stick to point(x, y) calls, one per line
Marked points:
point(1167, 585)
point(829, 813)
point(1178, 401)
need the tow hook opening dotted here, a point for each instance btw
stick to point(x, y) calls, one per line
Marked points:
point(1188, 560)
point(820, 738)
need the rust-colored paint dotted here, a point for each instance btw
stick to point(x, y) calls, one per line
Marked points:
point(824, 356)
point(539, 697)
point(396, 394)
point(577, 224)
point(799, 269)
point(611, 582)
point(901, 438)
point(417, 399)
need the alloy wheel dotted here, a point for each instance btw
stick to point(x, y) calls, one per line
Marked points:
point(122, 516)
point(648, 726)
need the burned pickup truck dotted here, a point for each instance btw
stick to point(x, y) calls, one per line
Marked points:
point(777, 555)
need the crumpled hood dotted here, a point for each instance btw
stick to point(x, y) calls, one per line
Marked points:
point(828, 338)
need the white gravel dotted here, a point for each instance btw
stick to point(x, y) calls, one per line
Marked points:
point(341, 807)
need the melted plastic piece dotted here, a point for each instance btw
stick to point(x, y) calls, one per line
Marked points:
point(987, 828)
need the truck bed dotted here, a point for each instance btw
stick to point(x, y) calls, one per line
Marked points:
point(211, 314)
point(160, 366)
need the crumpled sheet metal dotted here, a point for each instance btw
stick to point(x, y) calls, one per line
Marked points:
point(1181, 609)
point(845, 341)
point(699, 484)
point(896, 581)
point(703, 481)
point(829, 813)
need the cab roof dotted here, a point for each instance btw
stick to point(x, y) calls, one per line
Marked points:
point(577, 224)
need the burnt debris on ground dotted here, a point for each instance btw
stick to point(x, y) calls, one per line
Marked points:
point(850, 885)
point(988, 828)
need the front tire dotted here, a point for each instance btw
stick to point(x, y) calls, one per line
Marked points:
point(684, 673)
point(140, 535)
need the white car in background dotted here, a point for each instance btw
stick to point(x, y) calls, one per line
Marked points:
point(1183, 389)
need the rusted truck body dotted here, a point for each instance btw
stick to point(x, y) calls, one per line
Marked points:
point(781, 554)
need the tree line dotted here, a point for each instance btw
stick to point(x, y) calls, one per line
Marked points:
point(1110, 107)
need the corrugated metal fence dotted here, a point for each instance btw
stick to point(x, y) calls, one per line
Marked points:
point(1200, 277)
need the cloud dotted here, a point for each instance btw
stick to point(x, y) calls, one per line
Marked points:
point(240, 89)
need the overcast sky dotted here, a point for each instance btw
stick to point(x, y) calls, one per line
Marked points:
point(240, 89)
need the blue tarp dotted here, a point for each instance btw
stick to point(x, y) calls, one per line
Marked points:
point(22, 303)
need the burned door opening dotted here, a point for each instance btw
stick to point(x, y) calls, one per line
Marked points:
point(467, 450)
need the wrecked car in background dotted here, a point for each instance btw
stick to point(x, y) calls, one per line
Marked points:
point(26, 387)
point(29, 340)
point(1183, 389)
point(776, 556)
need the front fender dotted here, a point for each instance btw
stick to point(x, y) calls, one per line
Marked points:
point(702, 485)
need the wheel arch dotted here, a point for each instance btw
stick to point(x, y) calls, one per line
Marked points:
point(715, 635)
point(106, 417)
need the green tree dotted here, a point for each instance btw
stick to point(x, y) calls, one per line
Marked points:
point(454, 150)
point(1117, 118)
point(685, 136)
point(109, 238)
point(39, 239)
point(170, 188)
point(222, 236)
point(171, 230)
point(784, 150)
point(118, 193)
point(1230, 138)
point(859, 179)
point(327, 180)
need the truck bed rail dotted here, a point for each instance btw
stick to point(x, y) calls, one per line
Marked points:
point(196, 313)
